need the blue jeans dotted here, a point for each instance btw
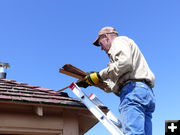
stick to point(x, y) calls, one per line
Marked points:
point(137, 103)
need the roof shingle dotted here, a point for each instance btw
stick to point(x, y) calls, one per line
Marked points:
point(13, 91)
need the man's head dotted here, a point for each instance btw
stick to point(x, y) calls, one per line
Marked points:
point(105, 38)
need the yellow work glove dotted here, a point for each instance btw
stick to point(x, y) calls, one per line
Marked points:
point(93, 78)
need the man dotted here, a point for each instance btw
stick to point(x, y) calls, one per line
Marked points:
point(129, 77)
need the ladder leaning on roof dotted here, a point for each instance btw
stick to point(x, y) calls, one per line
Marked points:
point(111, 123)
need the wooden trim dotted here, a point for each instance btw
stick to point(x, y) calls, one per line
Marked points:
point(45, 105)
point(29, 131)
point(39, 110)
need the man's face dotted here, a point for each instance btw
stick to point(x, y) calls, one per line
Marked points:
point(104, 42)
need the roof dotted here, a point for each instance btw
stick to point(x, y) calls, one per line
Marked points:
point(13, 91)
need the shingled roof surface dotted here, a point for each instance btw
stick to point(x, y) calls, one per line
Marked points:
point(13, 91)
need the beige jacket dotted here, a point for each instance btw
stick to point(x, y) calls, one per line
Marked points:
point(126, 62)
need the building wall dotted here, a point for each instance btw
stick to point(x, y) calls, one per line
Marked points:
point(37, 120)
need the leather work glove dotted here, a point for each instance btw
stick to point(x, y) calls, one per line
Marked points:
point(93, 78)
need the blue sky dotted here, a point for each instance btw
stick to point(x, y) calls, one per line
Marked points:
point(37, 37)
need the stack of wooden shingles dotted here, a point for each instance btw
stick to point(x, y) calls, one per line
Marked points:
point(73, 71)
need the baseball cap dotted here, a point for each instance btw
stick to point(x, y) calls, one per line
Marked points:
point(104, 30)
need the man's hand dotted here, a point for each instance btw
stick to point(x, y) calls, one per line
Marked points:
point(93, 78)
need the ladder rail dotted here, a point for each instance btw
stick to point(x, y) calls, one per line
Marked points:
point(109, 114)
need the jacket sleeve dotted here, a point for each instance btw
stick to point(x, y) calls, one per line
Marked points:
point(120, 60)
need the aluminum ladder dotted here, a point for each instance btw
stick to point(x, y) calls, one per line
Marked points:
point(110, 122)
